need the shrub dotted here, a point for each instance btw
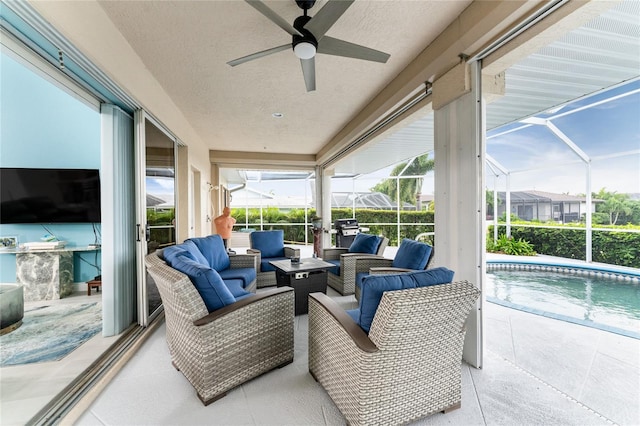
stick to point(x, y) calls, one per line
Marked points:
point(614, 248)
point(510, 246)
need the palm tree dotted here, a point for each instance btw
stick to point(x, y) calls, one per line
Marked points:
point(409, 188)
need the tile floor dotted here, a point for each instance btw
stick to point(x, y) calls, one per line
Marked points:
point(536, 371)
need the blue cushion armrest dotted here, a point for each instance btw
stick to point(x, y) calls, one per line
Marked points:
point(236, 287)
point(246, 275)
point(344, 320)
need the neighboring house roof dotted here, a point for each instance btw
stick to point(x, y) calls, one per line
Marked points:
point(541, 196)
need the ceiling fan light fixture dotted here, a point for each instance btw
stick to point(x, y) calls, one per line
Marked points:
point(304, 50)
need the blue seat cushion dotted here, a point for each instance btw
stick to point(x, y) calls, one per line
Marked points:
point(336, 269)
point(265, 266)
point(412, 255)
point(365, 243)
point(246, 275)
point(373, 286)
point(207, 281)
point(270, 243)
point(212, 248)
point(236, 287)
point(188, 249)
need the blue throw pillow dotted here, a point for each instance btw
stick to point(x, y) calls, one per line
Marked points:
point(207, 281)
point(213, 251)
point(412, 255)
point(195, 252)
point(365, 243)
point(270, 243)
point(171, 252)
point(373, 286)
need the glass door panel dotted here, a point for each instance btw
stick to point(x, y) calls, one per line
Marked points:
point(156, 209)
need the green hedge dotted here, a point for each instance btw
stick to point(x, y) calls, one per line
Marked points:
point(614, 248)
point(366, 217)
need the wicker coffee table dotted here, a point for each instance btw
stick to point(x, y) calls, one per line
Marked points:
point(308, 276)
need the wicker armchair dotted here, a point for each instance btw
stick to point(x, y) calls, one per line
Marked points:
point(382, 266)
point(350, 264)
point(220, 350)
point(272, 241)
point(408, 367)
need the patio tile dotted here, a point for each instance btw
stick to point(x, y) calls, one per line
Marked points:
point(510, 396)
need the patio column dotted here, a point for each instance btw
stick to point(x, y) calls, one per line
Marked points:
point(460, 187)
point(323, 202)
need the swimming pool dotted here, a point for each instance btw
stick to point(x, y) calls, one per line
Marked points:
point(597, 300)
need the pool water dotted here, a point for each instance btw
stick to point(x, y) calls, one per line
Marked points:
point(592, 301)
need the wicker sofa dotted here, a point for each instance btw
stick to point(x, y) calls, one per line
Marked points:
point(409, 364)
point(217, 351)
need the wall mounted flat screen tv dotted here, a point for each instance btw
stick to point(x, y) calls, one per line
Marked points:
point(49, 195)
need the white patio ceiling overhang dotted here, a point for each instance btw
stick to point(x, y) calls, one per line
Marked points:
point(599, 55)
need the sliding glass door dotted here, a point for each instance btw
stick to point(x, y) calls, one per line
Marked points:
point(156, 201)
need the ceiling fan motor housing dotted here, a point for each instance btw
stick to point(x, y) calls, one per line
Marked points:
point(306, 36)
point(305, 4)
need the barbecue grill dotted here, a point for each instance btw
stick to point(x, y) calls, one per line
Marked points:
point(346, 231)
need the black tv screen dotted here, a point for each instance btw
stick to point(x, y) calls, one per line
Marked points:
point(49, 195)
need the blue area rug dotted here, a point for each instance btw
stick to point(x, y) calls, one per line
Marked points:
point(48, 333)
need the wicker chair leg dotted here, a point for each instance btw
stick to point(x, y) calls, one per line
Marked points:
point(175, 366)
point(452, 407)
point(210, 400)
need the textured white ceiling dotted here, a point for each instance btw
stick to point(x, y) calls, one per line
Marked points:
point(186, 45)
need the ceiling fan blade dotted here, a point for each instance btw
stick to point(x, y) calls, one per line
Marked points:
point(259, 55)
point(273, 17)
point(334, 46)
point(326, 17)
point(309, 72)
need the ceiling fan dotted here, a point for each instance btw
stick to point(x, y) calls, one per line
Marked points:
point(309, 37)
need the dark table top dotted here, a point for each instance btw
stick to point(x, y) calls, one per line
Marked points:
point(305, 265)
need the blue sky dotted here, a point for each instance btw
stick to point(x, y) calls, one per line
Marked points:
point(605, 129)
